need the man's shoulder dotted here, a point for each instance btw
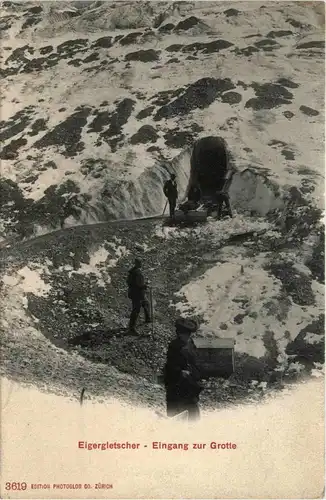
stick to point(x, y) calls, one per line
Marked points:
point(134, 271)
point(138, 274)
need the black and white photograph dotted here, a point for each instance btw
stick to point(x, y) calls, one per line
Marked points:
point(162, 249)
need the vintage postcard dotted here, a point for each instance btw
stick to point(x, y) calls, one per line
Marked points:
point(162, 249)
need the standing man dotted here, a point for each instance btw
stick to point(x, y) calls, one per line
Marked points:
point(170, 190)
point(181, 372)
point(222, 196)
point(137, 293)
point(223, 199)
point(194, 194)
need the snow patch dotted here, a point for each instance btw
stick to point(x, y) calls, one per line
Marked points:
point(29, 280)
point(221, 229)
point(168, 233)
point(99, 263)
point(318, 370)
point(296, 367)
point(312, 338)
point(98, 257)
point(250, 191)
point(241, 295)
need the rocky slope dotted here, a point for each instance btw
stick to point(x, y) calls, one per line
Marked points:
point(101, 101)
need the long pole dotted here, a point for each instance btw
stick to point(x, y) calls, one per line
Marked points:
point(152, 308)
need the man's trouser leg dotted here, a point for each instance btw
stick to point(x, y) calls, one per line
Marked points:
point(172, 404)
point(145, 306)
point(172, 205)
point(193, 411)
point(171, 208)
point(220, 202)
point(228, 205)
point(175, 407)
point(136, 305)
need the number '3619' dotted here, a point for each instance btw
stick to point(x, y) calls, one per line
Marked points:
point(16, 486)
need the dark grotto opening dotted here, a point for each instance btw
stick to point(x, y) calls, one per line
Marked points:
point(209, 164)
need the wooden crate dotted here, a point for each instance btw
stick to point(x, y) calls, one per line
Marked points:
point(191, 216)
point(215, 357)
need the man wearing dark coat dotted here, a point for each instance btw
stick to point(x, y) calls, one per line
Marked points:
point(137, 293)
point(194, 194)
point(170, 190)
point(181, 372)
point(194, 197)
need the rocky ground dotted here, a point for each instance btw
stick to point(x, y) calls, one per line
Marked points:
point(143, 81)
point(70, 288)
point(140, 87)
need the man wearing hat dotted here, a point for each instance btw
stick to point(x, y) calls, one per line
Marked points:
point(181, 372)
point(170, 190)
point(137, 293)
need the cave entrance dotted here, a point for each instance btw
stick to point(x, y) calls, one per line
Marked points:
point(209, 164)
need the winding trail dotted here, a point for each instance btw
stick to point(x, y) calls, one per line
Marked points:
point(7, 245)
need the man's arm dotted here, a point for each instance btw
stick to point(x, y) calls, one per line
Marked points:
point(174, 364)
point(193, 361)
point(140, 280)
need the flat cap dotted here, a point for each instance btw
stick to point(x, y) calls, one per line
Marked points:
point(185, 325)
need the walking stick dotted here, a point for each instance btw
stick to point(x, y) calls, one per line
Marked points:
point(166, 204)
point(152, 308)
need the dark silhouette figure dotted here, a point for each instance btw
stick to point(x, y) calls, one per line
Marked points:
point(222, 196)
point(170, 190)
point(181, 372)
point(194, 194)
point(137, 293)
point(193, 199)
